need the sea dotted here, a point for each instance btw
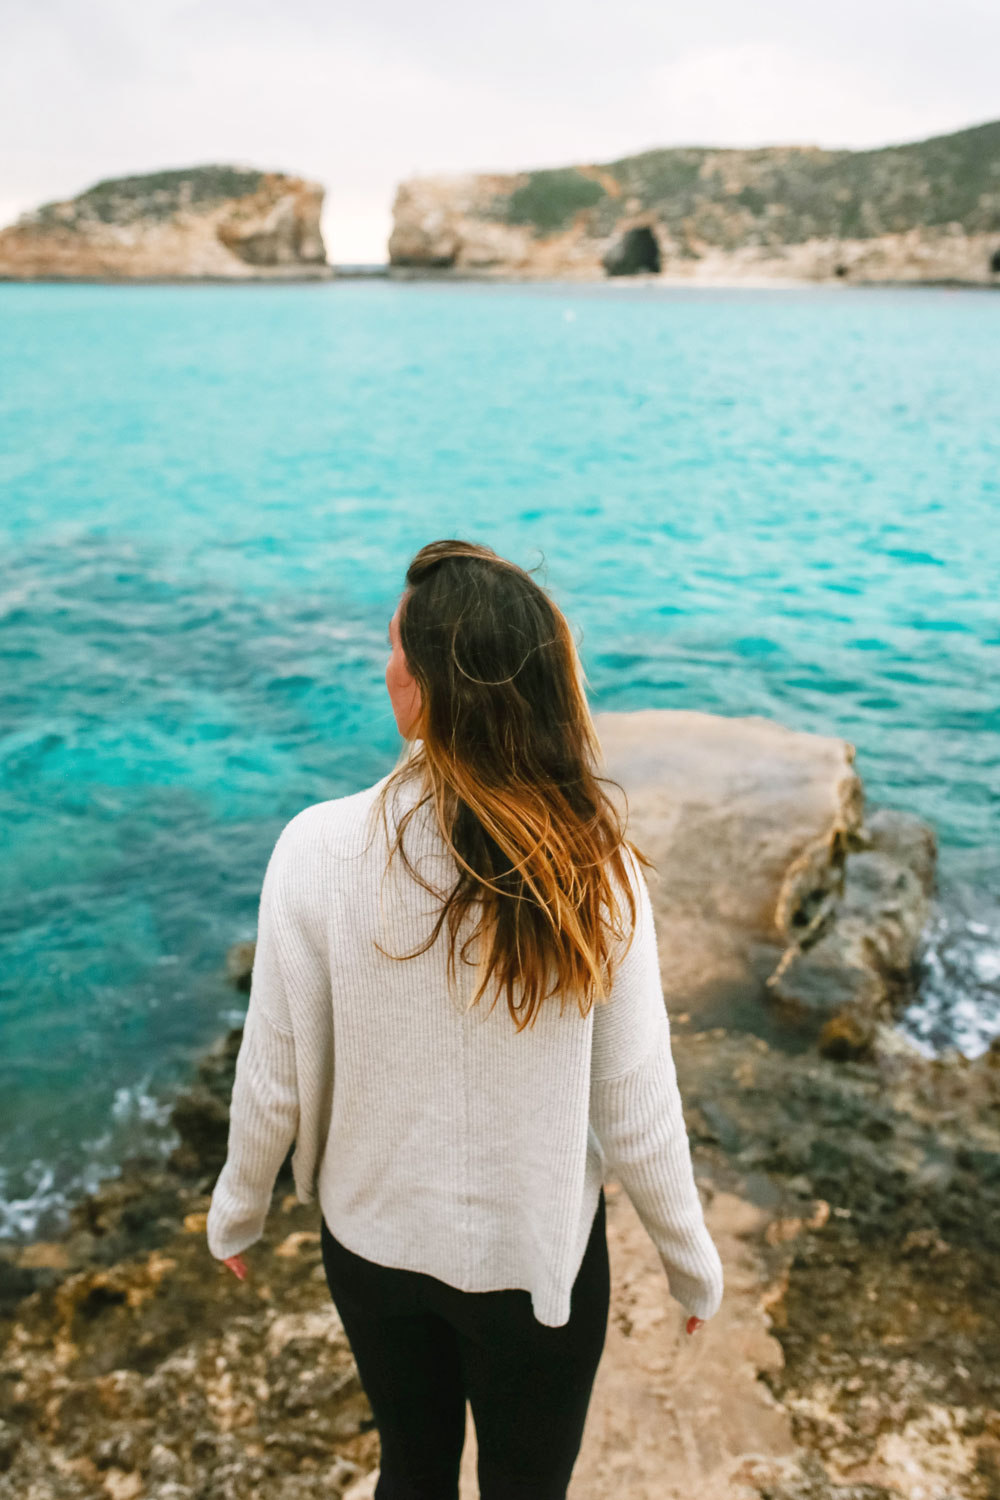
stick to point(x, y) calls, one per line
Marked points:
point(775, 501)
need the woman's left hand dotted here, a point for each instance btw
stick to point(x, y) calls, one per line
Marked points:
point(237, 1265)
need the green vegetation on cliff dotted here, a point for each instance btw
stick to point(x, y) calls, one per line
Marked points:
point(153, 195)
point(775, 195)
point(549, 199)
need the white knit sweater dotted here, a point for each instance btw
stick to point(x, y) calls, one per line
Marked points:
point(437, 1137)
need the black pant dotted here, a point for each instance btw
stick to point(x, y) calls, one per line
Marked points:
point(423, 1348)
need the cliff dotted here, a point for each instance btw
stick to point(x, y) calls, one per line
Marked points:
point(220, 222)
point(925, 211)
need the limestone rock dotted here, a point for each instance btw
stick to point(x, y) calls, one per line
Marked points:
point(924, 211)
point(859, 968)
point(239, 964)
point(200, 1113)
point(219, 222)
point(777, 904)
point(201, 1119)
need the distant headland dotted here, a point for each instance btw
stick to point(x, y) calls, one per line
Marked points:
point(925, 212)
point(929, 211)
point(214, 222)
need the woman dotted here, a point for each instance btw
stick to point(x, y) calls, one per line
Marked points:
point(458, 1145)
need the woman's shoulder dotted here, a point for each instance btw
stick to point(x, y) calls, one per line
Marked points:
point(321, 825)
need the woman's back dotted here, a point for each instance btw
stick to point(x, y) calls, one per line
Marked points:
point(456, 1014)
point(439, 1138)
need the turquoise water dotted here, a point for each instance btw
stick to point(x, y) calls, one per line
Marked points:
point(748, 502)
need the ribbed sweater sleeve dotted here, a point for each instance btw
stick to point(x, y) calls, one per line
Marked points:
point(636, 1113)
point(264, 1108)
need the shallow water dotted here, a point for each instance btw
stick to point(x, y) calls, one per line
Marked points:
point(748, 502)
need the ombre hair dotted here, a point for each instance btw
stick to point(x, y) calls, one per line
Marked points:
point(505, 749)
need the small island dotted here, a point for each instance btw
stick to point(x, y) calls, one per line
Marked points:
point(201, 223)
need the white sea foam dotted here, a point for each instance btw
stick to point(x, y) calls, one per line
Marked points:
point(137, 1119)
point(987, 965)
point(958, 1004)
point(136, 1103)
point(45, 1205)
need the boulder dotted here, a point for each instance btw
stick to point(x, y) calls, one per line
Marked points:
point(780, 908)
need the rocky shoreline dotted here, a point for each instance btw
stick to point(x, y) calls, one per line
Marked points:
point(332, 275)
point(701, 281)
point(663, 280)
point(134, 1365)
point(862, 1178)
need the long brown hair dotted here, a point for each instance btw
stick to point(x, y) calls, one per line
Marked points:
point(505, 748)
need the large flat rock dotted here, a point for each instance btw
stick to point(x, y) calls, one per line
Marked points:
point(778, 908)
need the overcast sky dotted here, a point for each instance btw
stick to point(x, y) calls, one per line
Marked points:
point(360, 97)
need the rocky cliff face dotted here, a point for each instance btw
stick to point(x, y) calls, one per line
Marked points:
point(225, 222)
point(926, 211)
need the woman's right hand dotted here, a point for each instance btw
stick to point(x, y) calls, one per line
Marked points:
point(693, 1324)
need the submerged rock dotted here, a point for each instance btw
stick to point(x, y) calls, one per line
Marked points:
point(221, 222)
